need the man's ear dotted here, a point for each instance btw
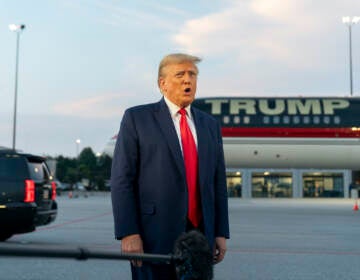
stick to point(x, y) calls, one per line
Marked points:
point(162, 84)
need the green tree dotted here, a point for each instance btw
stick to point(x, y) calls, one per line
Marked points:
point(103, 171)
point(88, 158)
point(87, 166)
point(66, 169)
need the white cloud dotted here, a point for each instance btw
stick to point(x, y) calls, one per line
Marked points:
point(102, 106)
point(272, 46)
point(278, 10)
point(286, 32)
point(117, 14)
point(208, 34)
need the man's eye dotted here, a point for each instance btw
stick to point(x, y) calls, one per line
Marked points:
point(179, 75)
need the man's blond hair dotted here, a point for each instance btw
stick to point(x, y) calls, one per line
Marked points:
point(176, 58)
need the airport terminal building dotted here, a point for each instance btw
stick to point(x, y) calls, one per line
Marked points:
point(296, 183)
point(287, 147)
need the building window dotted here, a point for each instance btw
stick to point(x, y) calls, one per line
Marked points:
point(337, 120)
point(296, 119)
point(319, 184)
point(246, 119)
point(276, 119)
point(306, 119)
point(236, 120)
point(286, 120)
point(316, 119)
point(326, 119)
point(234, 184)
point(271, 184)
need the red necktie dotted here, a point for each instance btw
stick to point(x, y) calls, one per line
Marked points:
point(191, 169)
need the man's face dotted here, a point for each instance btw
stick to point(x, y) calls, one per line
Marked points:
point(178, 83)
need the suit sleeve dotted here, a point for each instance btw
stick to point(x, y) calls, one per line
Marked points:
point(124, 179)
point(221, 197)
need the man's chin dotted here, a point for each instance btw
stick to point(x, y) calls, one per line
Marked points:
point(186, 103)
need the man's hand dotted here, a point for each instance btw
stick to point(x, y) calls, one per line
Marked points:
point(132, 244)
point(220, 249)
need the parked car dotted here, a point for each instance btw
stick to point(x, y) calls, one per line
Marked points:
point(80, 189)
point(27, 193)
point(79, 186)
point(60, 187)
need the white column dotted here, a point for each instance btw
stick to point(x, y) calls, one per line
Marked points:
point(297, 183)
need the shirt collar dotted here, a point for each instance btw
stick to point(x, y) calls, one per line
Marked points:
point(174, 109)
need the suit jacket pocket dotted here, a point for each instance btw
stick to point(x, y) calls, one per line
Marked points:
point(148, 209)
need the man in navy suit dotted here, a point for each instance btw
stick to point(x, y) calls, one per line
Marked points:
point(150, 186)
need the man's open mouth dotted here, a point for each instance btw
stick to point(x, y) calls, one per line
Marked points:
point(187, 90)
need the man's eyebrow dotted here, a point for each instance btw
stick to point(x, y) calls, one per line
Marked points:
point(180, 72)
point(184, 71)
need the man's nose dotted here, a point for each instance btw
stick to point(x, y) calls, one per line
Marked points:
point(187, 78)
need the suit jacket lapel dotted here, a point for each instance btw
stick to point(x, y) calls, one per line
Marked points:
point(163, 117)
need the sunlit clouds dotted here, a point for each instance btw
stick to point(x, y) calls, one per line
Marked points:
point(293, 33)
point(103, 106)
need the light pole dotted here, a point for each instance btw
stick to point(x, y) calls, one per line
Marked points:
point(16, 28)
point(350, 22)
point(77, 141)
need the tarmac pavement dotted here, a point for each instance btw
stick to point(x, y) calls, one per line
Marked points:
point(270, 239)
point(292, 239)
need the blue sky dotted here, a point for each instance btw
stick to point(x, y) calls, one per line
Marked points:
point(83, 62)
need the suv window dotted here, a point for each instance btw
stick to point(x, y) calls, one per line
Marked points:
point(38, 171)
point(12, 168)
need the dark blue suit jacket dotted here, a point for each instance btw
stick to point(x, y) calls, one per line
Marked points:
point(148, 183)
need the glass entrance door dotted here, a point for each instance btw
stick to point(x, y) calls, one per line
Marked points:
point(234, 184)
point(323, 184)
point(271, 184)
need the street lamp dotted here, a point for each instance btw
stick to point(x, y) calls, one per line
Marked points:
point(77, 141)
point(349, 22)
point(16, 28)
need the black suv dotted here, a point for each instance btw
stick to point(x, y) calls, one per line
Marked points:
point(27, 193)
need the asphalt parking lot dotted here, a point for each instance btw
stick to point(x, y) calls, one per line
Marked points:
point(270, 239)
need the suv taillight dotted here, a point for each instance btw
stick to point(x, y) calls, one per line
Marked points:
point(53, 190)
point(29, 191)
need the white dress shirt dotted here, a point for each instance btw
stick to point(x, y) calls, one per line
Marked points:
point(174, 112)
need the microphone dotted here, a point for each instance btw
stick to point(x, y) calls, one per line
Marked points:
point(193, 257)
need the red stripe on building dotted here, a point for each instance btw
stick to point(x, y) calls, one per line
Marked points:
point(291, 132)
